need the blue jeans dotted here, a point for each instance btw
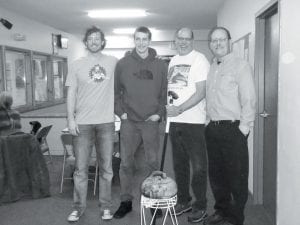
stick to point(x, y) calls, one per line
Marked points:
point(188, 147)
point(101, 136)
point(132, 134)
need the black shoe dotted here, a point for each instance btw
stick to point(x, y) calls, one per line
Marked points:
point(158, 212)
point(214, 219)
point(197, 216)
point(125, 207)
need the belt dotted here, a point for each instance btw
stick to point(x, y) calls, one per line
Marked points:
point(224, 122)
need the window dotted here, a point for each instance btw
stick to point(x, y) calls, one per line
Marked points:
point(34, 79)
point(15, 76)
point(40, 77)
point(58, 78)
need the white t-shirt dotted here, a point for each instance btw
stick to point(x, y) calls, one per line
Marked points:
point(184, 72)
point(94, 78)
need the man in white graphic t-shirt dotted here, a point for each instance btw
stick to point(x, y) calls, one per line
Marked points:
point(186, 82)
point(90, 106)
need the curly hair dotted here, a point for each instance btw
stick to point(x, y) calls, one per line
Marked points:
point(95, 29)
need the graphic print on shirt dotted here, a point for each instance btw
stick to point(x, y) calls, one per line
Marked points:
point(144, 74)
point(98, 74)
point(178, 76)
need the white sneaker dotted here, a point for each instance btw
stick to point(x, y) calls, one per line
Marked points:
point(74, 216)
point(106, 215)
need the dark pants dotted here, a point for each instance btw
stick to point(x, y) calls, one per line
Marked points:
point(188, 144)
point(228, 169)
point(132, 135)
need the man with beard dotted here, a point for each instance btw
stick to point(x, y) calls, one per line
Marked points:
point(90, 108)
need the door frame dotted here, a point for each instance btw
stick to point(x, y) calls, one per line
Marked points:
point(259, 78)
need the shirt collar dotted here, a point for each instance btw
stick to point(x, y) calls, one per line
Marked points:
point(224, 58)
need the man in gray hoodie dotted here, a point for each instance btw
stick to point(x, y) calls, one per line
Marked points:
point(140, 99)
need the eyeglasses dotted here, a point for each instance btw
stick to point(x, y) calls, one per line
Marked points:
point(221, 40)
point(184, 39)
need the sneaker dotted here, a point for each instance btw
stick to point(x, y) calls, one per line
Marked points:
point(106, 215)
point(125, 207)
point(74, 216)
point(214, 219)
point(197, 216)
point(182, 208)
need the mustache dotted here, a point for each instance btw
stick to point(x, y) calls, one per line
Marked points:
point(94, 45)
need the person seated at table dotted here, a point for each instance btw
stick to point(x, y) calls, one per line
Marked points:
point(10, 120)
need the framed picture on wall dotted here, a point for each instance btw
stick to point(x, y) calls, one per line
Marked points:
point(54, 44)
point(240, 47)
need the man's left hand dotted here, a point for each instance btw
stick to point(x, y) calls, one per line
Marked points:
point(153, 118)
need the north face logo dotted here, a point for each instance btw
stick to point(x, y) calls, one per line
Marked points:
point(144, 75)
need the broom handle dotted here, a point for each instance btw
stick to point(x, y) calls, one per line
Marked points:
point(164, 152)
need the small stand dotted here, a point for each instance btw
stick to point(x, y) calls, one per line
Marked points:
point(167, 203)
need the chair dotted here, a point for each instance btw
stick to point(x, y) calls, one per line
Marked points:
point(41, 136)
point(69, 159)
point(35, 126)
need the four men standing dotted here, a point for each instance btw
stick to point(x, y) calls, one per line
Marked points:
point(140, 99)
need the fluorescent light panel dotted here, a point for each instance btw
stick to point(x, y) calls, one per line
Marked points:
point(117, 13)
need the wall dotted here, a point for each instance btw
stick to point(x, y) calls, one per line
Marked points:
point(38, 36)
point(288, 114)
point(288, 195)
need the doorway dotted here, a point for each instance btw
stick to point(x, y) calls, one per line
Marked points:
point(266, 72)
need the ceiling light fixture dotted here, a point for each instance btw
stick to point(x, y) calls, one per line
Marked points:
point(128, 30)
point(117, 13)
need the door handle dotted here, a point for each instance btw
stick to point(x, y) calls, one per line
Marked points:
point(264, 114)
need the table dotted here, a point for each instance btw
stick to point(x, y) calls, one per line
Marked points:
point(23, 170)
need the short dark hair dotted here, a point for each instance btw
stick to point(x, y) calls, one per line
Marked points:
point(92, 30)
point(144, 30)
point(219, 28)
